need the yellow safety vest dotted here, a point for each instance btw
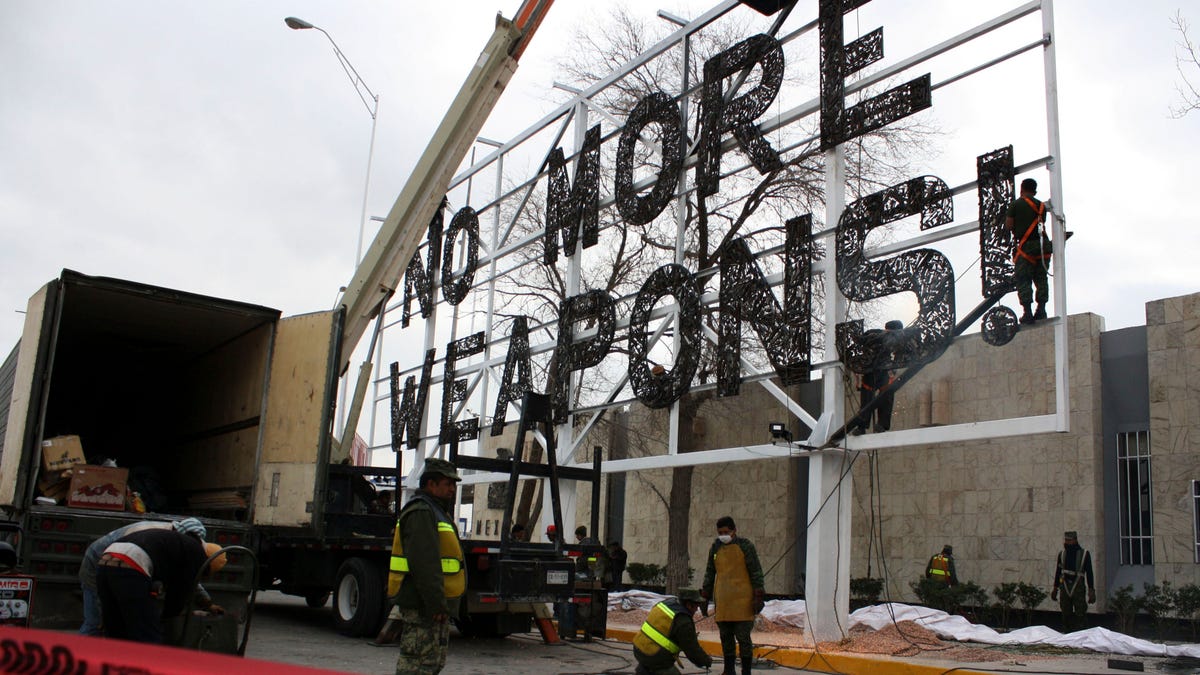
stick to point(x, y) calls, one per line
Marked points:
point(655, 631)
point(452, 561)
point(939, 568)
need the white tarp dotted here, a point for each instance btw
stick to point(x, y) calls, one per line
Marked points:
point(946, 626)
point(957, 628)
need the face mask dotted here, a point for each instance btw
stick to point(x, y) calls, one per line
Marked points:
point(725, 538)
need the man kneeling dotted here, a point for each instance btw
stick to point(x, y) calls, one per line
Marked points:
point(669, 629)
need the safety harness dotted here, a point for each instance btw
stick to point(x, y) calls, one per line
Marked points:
point(1074, 575)
point(1039, 210)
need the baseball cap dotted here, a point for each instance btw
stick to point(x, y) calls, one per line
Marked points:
point(441, 467)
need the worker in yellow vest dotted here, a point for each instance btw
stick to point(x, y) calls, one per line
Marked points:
point(669, 629)
point(941, 567)
point(734, 580)
point(426, 579)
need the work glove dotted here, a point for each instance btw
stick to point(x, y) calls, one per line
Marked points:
point(758, 600)
point(1091, 596)
point(1054, 594)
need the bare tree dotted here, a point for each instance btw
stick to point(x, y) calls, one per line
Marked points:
point(1187, 62)
point(750, 205)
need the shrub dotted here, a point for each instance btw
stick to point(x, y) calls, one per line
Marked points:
point(1159, 602)
point(949, 599)
point(1006, 599)
point(1187, 605)
point(969, 594)
point(1124, 606)
point(1030, 597)
point(646, 574)
point(866, 589)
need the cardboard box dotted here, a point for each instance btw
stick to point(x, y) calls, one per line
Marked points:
point(55, 484)
point(98, 487)
point(62, 452)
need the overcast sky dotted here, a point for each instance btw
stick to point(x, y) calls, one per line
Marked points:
point(206, 147)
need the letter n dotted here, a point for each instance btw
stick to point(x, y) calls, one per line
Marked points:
point(746, 296)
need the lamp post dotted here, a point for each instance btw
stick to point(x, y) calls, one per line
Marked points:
point(371, 101)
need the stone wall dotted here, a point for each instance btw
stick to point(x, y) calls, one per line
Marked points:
point(1173, 346)
point(1003, 503)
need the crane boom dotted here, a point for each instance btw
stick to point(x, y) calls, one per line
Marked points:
point(383, 266)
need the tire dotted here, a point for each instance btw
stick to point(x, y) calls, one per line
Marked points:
point(358, 598)
point(317, 599)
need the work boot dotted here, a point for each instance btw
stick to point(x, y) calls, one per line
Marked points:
point(1041, 312)
point(747, 661)
point(1027, 317)
point(730, 666)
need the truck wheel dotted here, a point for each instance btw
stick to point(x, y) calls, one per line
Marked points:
point(317, 599)
point(358, 598)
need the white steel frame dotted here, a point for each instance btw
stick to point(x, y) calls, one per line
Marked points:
point(828, 564)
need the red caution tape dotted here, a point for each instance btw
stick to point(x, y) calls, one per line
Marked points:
point(42, 652)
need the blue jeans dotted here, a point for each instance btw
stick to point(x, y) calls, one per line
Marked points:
point(91, 612)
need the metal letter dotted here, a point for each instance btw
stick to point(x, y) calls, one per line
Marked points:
point(657, 108)
point(598, 309)
point(746, 296)
point(660, 391)
point(570, 207)
point(454, 290)
point(718, 116)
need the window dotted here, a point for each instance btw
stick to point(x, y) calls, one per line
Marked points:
point(1135, 498)
point(1196, 516)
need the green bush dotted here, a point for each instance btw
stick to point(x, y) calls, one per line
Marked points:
point(866, 589)
point(949, 599)
point(1006, 599)
point(1124, 606)
point(1187, 605)
point(1030, 597)
point(646, 574)
point(1159, 602)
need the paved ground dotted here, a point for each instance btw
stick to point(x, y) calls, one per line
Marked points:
point(285, 630)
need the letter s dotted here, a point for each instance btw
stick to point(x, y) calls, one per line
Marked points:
point(925, 272)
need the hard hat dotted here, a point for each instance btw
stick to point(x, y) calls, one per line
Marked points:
point(218, 562)
point(550, 529)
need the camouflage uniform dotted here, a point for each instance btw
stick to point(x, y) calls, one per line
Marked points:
point(423, 644)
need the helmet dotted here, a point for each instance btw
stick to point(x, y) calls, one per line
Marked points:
point(550, 529)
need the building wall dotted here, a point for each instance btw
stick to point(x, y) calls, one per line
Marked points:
point(1004, 503)
point(759, 495)
point(1173, 346)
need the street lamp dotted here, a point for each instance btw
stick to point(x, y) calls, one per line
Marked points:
point(371, 100)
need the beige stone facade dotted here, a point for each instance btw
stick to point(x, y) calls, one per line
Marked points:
point(1002, 503)
point(1173, 346)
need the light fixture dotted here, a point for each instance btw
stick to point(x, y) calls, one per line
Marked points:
point(780, 430)
point(297, 24)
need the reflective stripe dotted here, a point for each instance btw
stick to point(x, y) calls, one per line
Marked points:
point(452, 567)
point(449, 565)
point(940, 573)
point(654, 634)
